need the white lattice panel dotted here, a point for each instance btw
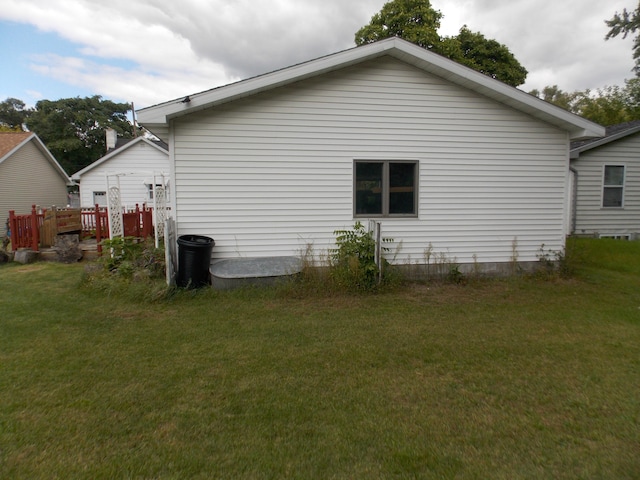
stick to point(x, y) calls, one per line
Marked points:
point(114, 207)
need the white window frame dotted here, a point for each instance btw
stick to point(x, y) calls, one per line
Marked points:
point(619, 187)
point(616, 236)
point(104, 198)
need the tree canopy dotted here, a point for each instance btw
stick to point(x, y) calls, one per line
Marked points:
point(607, 106)
point(13, 113)
point(73, 129)
point(418, 22)
point(623, 24)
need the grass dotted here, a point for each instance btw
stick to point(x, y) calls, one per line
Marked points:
point(518, 378)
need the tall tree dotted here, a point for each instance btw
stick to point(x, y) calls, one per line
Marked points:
point(625, 23)
point(418, 22)
point(414, 20)
point(13, 114)
point(73, 129)
point(488, 57)
point(607, 106)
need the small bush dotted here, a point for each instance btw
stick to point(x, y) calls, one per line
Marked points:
point(353, 265)
point(562, 263)
point(128, 257)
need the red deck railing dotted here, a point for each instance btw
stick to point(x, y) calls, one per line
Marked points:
point(25, 229)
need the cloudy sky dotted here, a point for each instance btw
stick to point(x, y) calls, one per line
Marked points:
point(150, 51)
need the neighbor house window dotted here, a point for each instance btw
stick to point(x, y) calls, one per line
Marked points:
point(100, 198)
point(385, 188)
point(613, 186)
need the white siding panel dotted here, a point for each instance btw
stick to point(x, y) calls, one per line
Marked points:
point(266, 175)
point(136, 164)
point(590, 216)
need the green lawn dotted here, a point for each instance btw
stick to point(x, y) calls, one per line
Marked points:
point(517, 378)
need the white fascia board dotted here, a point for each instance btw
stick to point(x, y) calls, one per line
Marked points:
point(162, 113)
point(45, 151)
point(76, 176)
point(575, 152)
point(473, 80)
point(18, 147)
point(438, 65)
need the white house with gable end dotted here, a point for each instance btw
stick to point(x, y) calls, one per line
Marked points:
point(131, 166)
point(441, 155)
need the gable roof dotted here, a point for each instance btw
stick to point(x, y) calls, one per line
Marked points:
point(159, 116)
point(612, 133)
point(160, 146)
point(11, 142)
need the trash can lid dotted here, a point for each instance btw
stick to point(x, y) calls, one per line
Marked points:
point(195, 241)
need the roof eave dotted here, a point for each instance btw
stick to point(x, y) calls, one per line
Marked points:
point(578, 127)
point(575, 153)
point(77, 176)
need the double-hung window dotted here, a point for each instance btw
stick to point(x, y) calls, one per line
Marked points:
point(385, 188)
point(613, 186)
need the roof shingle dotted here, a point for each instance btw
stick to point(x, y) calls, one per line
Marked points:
point(10, 140)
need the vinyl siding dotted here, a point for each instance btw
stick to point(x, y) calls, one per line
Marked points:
point(135, 165)
point(591, 218)
point(269, 174)
point(27, 178)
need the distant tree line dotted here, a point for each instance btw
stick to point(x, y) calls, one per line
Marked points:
point(73, 129)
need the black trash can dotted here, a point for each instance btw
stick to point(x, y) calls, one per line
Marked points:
point(194, 258)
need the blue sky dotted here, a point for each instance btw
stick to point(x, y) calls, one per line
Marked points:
point(21, 44)
point(151, 51)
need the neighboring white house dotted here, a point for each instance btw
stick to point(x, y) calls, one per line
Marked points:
point(131, 166)
point(29, 175)
point(607, 183)
point(443, 156)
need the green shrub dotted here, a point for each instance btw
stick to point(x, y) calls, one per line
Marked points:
point(128, 257)
point(353, 265)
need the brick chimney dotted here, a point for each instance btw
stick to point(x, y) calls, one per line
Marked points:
point(112, 137)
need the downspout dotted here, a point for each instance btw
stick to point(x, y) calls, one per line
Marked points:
point(574, 200)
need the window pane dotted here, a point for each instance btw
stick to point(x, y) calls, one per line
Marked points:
point(401, 188)
point(612, 197)
point(613, 175)
point(369, 188)
point(100, 198)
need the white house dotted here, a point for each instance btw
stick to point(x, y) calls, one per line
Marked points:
point(606, 174)
point(443, 156)
point(131, 166)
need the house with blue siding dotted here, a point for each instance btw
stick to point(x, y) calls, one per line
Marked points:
point(446, 159)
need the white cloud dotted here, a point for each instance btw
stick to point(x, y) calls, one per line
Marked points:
point(150, 51)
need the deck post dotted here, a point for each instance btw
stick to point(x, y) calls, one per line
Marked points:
point(98, 229)
point(13, 229)
point(35, 234)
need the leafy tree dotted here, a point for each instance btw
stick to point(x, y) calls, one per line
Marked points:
point(488, 57)
point(414, 20)
point(73, 129)
point(418, 22)
point(13, 114)
point(553, 94)
point(625, 23)
point(607, 106)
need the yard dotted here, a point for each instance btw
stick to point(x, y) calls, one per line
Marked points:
point(502, 379)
